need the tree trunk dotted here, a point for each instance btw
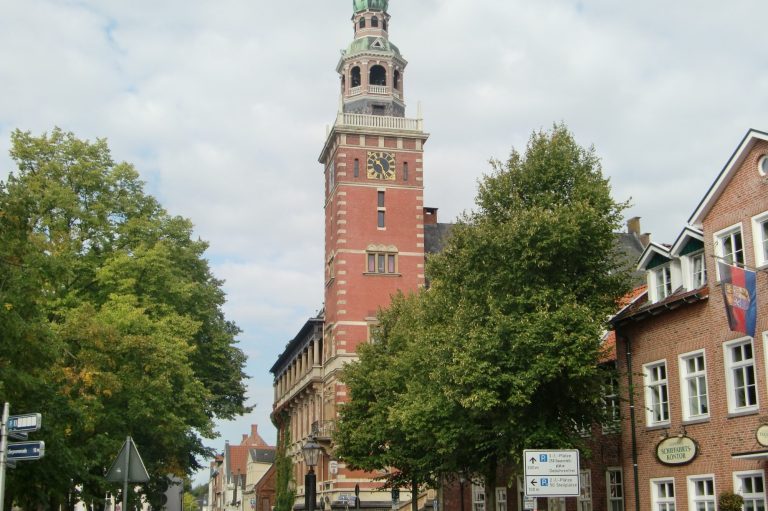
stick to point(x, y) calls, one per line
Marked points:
point(414, 495)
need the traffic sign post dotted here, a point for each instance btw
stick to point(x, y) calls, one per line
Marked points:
point(551, 473)
point(17, 427)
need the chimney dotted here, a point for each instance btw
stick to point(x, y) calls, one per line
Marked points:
point(430, 216)
point(633, 225)
point(245, 440)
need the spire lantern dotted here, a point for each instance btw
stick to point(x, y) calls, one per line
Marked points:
point(370, 5)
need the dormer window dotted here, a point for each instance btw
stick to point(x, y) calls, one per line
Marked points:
point(699, 270)
point(662, 281)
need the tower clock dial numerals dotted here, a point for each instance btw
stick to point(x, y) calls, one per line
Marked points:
point(381, 165)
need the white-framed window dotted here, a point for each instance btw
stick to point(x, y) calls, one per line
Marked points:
point(614, 488)
point(693, 385)
point(762, 165)
point(729, 245)
point(698, 264)
point(501, 499)
point(656, 393)
point(662, 282)
point(612, 406)
point(585, 491)
point(663, 494)
point(751, 486)
point(381, 262)
point(478, 497)
point(760, 238)
point(701, 493)
point(740, 375)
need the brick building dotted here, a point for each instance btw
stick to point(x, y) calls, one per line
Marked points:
point(375, 241)
point(696, 410)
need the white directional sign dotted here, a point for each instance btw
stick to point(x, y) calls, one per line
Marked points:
point(551, 473)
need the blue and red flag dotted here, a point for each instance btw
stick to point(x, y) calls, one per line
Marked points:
point(740, 297)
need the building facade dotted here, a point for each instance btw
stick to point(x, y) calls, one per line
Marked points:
point(696, 407)
point(375, 241)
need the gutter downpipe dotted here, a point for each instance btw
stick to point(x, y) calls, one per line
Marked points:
point(632, 418)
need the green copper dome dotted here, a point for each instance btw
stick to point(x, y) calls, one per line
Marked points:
point(370, 5)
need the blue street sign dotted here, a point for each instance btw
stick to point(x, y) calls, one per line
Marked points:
point(26, 450)
point(24, 423)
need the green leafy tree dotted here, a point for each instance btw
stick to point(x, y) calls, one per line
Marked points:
point(114, 322)
point(367, 437)
point(503, 350)
point(285, 486)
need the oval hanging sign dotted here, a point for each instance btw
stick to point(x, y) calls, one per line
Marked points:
point(762, 435)
point(677, 450)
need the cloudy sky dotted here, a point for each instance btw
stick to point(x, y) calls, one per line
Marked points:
point(223, 104)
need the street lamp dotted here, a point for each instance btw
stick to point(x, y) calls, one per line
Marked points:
point(311, 452)
point(462, 480)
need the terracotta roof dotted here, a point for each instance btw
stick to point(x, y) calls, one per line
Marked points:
point(238, 459)
point(254, 439)
point(609, 341)
point(642, 308)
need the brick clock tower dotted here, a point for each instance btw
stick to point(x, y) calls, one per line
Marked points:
point(374, 199)
point(374, 246)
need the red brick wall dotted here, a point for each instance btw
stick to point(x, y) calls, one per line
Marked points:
point(702, 325)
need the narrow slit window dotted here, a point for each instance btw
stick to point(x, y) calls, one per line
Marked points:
point(405, 171)
point(381, 222)
point(381, 199)
point(382, 268)
point(357, 168)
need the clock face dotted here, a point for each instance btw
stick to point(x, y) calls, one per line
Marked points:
point(381, 165)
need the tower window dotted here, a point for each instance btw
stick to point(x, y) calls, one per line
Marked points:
point(385, 25)
point(357, 168)
point(356, 77)
point(378, 76)
point(381, 199)
point(382, 262)
point(405, 171)
point(381, 219)
point(396, 78)
point(362, 22)
point(375, 22)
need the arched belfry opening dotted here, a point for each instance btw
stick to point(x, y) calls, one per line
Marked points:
point(378, 75)
point(396, 79)
point(355, 80)
point(375, 22)
point(362, 22)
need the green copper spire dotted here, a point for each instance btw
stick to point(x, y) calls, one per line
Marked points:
point(370, 5)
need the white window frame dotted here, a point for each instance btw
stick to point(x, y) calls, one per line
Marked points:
point(759, 242)
point(501, 498)
point(692, 258)
point(478, 497)
point(650, 392)
point(762, 165)
point(718, 238)
point(730, 367)
point(694, 499)
point(738, 487)
point(612, 404)
point(620, 485)
point(584, 500)
point(659, 503)
point(661, 274)
point(685, 377)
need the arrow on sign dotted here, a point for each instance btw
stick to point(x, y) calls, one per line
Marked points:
point(533, 460)
point(533, 483)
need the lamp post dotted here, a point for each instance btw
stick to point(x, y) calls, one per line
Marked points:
point(311, 452)
point(462, 480)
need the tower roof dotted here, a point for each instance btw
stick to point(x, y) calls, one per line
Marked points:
point(372, 44)
point(370, 5)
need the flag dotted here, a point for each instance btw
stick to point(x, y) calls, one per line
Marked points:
point(740, 297)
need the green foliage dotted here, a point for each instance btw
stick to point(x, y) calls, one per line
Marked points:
point(112, 322)
point(285, 491)
point(502, 353)
point(729, 501)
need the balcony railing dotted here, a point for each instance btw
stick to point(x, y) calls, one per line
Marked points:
point(323, 430)
point(378, 121)
point(378, 89)
point(372, 89)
